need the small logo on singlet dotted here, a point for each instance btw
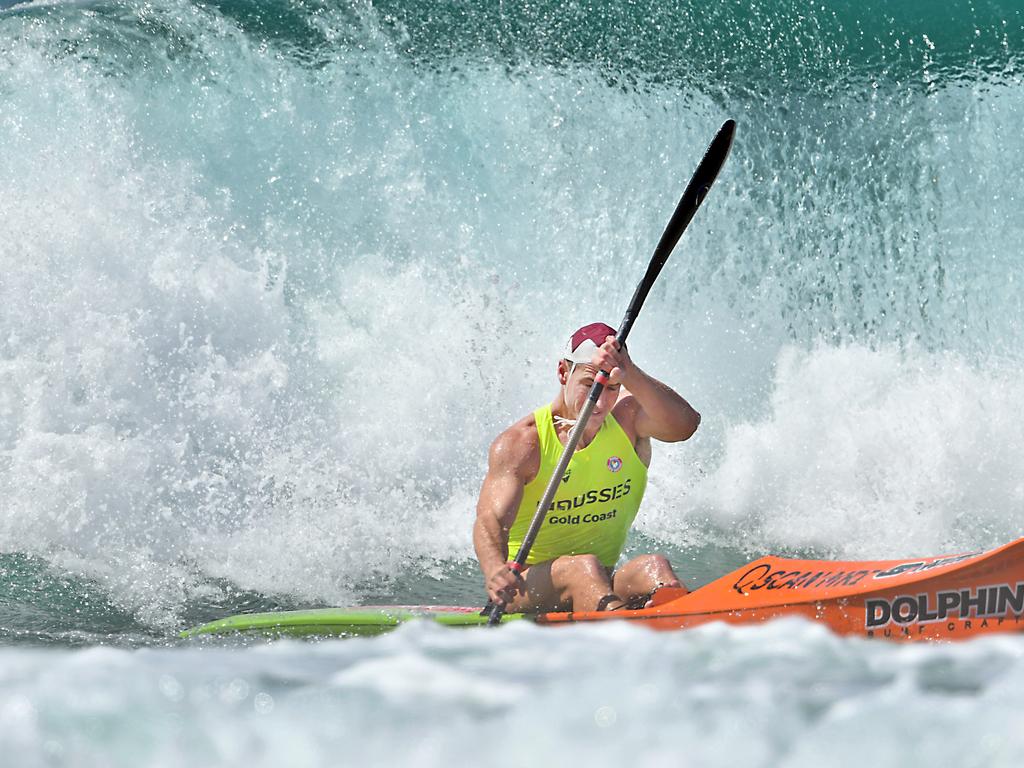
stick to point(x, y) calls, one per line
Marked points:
point(614, 464)
point(565, 477)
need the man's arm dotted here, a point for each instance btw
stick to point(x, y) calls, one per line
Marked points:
point(658, 410)
point(655, 409)
point(513, 460)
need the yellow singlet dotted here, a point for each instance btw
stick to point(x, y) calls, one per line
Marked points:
point(596, 501)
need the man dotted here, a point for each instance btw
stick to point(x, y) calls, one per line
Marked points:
point(572, 562)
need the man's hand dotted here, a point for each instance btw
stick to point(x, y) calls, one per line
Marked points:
point(503, 584)
point(613, 358)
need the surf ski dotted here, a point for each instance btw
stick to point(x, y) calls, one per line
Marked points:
point(950, 597)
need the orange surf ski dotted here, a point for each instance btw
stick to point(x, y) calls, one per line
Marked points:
point(938, 598)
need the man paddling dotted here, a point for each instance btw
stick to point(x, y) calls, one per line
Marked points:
point(572, 561)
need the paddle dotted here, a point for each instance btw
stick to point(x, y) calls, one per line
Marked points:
point(693, 196)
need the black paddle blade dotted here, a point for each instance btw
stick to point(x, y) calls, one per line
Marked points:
point(695, 191)
point(693, 196)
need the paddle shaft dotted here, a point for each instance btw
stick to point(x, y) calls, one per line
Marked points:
point(693, 196)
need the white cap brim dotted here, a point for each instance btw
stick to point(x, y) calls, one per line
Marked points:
point(584, 352)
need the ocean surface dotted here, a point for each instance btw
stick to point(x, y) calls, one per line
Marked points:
point(274, 274)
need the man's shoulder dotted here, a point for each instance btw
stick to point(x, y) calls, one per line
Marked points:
point(522, 433)
point(518, 446)
point(625, 412)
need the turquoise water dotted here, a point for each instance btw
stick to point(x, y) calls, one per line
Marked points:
point(274, 274)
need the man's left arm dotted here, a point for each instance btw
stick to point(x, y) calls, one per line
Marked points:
point(657, 410)
point(660, 412)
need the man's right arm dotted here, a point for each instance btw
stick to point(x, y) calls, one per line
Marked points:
point(513, 460)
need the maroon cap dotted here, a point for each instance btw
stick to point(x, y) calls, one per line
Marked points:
point(584, 343)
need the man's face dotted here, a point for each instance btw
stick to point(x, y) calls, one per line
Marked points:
point(577, 388)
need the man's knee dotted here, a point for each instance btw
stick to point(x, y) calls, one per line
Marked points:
point(657, 568)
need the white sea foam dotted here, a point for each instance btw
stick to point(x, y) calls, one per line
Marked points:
point(784, 694)
point(876, 451)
